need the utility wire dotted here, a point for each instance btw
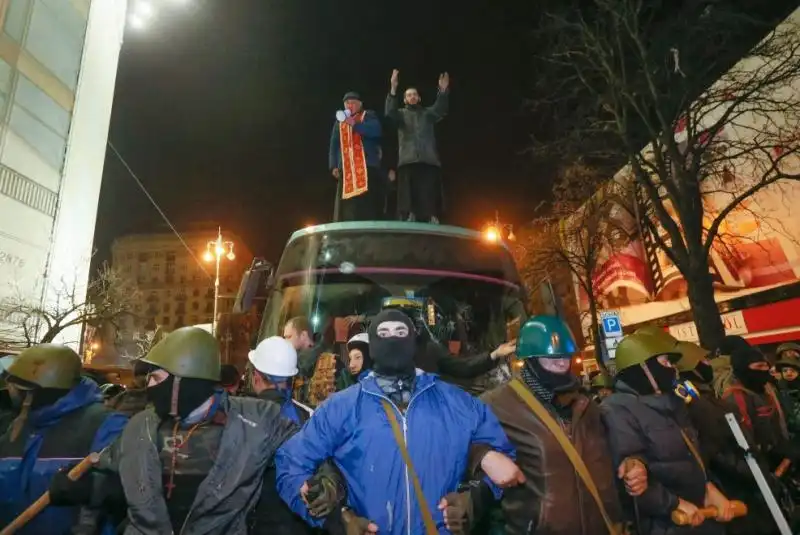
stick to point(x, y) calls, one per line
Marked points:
point(157, 207)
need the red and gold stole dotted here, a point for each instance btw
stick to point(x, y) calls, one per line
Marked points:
point(354, 161)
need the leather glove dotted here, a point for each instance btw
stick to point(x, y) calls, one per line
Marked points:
point(458, 512)
point(324, 495)
point(64, 491)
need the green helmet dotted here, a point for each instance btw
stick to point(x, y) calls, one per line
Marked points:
point(188, 352)
point(602, 380)
point(690, 356)
point(653, 330)
point(546, 336)
point(636, 348)
point(47, 366)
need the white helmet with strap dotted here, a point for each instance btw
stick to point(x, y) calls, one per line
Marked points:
point(274, 356)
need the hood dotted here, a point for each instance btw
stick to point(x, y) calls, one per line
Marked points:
point(85, 393)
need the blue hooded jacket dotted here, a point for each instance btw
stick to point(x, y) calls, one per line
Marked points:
point(24, 480)
point(351, 427)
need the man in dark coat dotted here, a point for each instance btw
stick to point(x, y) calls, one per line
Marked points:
point(718, 445)
point(419, 176)
point(645, 419)
point(354, 159)
point(196, 460)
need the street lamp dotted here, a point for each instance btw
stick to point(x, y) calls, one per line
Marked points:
point(494, 230)
point(215, 250)
point(142, 12)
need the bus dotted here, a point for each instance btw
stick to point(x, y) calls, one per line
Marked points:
point(461, 285)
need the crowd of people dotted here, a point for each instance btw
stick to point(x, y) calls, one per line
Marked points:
point(382, 441)
point(371, 188)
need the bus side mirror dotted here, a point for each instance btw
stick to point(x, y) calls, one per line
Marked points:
point(258, 277)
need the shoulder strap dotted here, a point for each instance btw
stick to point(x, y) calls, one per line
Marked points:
point(741, 404)
point(693, 449)
point(577, 462)
point(427, 517)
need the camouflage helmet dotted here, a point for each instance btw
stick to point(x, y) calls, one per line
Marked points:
point(47, 366)
point(690, 355)
point(188, 352)
point(602, 380)
point(637, 348)
point(546, 336)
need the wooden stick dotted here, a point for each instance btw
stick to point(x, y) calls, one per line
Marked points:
point(783, 467)
point(682, 519)
point(44, 500)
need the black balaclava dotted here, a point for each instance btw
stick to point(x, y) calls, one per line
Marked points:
point(191, 394)
point(554, 382)
point(703, 373)
point(741, 359)
point(637, 378)
point(731, 343)
point(393, 356)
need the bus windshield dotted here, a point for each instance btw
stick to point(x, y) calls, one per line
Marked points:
point(464, 290)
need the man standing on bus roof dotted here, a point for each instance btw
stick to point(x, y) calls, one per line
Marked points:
point(354, 160)
point(419, 174)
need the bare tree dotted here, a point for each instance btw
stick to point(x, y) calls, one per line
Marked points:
point(576, 236)
point(110, 297)
point(645, 83)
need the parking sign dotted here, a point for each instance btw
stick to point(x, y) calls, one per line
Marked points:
point(612, 326)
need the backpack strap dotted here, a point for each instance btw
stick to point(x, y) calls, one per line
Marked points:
point(575, 458)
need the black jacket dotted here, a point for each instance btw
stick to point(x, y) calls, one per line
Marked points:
point(416, 138)
point(651, 427)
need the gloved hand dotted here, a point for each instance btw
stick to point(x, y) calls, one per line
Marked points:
point(458, 512)
point(64, 491)
point(322, 495)
point(356, 525)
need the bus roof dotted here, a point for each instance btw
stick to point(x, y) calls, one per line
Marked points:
point(391, 226)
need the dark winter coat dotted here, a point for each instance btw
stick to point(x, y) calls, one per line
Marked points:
point(554, 500)
point(253, 430)
point(725, 461)
point(467, 372)
point(129, 402)
point(52, 438)
point(650, 427)
point(762, 415)
point(416, 136)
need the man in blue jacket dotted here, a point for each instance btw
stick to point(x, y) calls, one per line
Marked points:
point(61, 420)
point(354, 159)
point(366, 428)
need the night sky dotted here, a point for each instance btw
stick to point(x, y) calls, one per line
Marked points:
point(224, 108)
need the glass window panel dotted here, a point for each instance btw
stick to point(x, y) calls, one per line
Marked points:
point(39, 104)
point(46, 142)
point(56, 44)
point(5, 76)
point(68, 15)
point(16, 18)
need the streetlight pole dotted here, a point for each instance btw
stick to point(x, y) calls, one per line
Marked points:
point(217, 257)
point(214, 251)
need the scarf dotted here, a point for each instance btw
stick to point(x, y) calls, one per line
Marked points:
point(354, 160)
point(397, 388)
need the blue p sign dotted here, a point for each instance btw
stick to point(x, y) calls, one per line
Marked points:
point(611, 325)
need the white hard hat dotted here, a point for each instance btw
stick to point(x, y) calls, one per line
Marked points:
point(275, 356)
point(360, 338)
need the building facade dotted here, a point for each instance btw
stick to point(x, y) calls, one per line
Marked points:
point(176, 285)
point(58, 65)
